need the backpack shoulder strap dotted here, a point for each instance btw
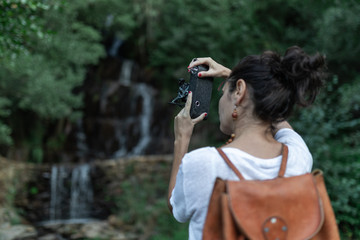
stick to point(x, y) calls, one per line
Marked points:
point(285, 152)
point(231, 165)
point(281, 173)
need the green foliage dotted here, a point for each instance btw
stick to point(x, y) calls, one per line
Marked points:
point(343, 171)
point(5, 130)
point(337, 30)
point(167, 227)
point(19, 19)
point(34, 190)
point(331, 129)
point(37, 85)
point(142, 204)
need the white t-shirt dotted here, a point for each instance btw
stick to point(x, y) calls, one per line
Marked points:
point(199, 169)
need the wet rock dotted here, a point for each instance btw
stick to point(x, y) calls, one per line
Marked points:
point(49, 237)
point(10, 232)
point(115, 222)
point(88, 230)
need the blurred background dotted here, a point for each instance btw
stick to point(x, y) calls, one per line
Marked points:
point(86, 131)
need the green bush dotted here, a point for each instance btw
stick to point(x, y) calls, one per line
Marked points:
point(331, 130)
point(142, 204)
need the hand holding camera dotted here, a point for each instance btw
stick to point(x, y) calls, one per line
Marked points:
point(202, 71)
point(201, 87)
point(214, 69)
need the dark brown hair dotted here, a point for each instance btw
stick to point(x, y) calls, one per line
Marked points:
point(277, 83)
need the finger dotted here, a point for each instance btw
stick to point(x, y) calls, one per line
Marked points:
point(199, 118)
point(181, 112)
point(199, 61)
point(188, 103)
point(208, 73)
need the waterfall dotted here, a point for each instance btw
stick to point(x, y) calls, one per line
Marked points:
point(71, 193)
point(58, 175)
point(118, 120)
point(81, 192)
point(123, 80)
point(146, 93)
point(113, 51)
point(125, 73)
point(81, 145)
point(143, 93)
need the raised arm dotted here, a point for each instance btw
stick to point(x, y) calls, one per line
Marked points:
point(184, 125)
point(183, 129)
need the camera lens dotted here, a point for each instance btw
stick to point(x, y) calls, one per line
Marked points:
point(197, 103)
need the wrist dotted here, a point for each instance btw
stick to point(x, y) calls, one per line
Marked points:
point(181, 140)
point(183, 135)
point(181, 143)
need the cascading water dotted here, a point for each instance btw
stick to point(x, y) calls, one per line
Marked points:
point(125, 73)
point(81, 192)
point(71, 193)
point(142, 94)
point(146, 93)
point(118, 120)
point(58, 175)
point(123, 132)
point(81, 145)
point(119, 107)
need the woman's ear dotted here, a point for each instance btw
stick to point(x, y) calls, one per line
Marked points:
point(240, 91)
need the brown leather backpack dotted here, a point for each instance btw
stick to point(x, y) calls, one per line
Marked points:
point(277, 209)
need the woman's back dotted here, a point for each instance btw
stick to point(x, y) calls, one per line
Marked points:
point(201, 167)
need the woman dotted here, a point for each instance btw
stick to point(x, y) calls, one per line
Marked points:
point(258, 96)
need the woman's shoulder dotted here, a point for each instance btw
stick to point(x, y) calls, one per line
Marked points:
point(299, 159)
point(200, 155)
point(291, 138)
point(203, 150)
point(285, 131)
point(288, 133)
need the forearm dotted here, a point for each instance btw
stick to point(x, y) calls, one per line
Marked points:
point(180, 149)
point(183, 128)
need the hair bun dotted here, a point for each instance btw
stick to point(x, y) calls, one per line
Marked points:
point(277, 83)
point(274, 61)
point(303, 74)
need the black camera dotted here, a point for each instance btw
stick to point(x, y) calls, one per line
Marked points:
point(201, 89)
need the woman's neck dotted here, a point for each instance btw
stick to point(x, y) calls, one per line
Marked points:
point(256, 138)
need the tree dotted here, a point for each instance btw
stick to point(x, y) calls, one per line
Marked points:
point(19, 20)
point(37, 85)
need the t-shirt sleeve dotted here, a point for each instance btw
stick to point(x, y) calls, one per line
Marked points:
point(291, 138)
point(193, 187)
point(297, 150)
point(177, 199)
